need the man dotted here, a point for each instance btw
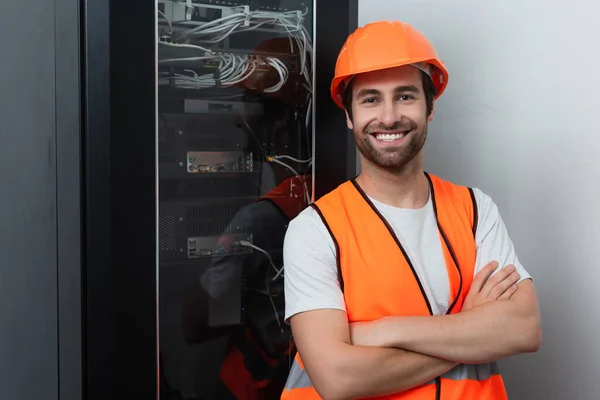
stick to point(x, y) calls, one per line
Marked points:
point(397, 283)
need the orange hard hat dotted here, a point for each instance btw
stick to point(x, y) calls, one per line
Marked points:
point(386, 44)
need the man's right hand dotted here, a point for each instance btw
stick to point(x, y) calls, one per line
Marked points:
point(484, 289)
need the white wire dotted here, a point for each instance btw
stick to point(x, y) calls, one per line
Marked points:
point(246, 21)
point(296, 173)
point(285, 165)
point(267, 286)
point(183, 45)
point(234, 69)
point(163, 16)
point(266, 253)
point(291, 22)
point(283, 74)
point(293, 159)
point(278, 274)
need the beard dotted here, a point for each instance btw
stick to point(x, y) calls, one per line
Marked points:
point(392, 158)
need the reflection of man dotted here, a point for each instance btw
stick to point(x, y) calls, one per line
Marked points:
point(242, 296)
point(398, 283)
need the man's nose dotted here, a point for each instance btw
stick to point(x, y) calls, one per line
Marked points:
point(389, 113)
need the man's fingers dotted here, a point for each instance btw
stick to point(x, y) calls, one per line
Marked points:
point(482, 276)
point(504, 285)
point(501, 275)
point(509, 292)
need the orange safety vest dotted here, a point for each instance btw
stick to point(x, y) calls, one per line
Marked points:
point(378, 280)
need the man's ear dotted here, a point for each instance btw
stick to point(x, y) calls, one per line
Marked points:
point(430, 116)
point(349, 120)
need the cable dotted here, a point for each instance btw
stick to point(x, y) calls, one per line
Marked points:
point(272, 159)
point(293, 159)
point(233, 69)
point(248, 244)
point(267, 291)
point(218, 30)
point(279, 273)
point(163, 16)
point(250, 131)
point(184, 46)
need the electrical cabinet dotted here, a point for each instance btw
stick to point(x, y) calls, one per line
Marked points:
point(207, 127)
point(235, 128)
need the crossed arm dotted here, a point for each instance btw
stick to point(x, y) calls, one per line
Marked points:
point(348, 361)
point(486, 333)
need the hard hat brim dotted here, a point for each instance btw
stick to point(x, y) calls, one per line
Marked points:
point(439, 75)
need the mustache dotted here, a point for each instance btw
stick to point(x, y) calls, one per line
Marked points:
point(405, 124)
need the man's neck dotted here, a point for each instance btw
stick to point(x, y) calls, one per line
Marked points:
point(407, 188)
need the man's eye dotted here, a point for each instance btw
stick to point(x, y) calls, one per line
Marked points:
point(406, 97)
point(370, 100)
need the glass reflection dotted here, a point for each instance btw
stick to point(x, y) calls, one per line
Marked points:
point(234, 105)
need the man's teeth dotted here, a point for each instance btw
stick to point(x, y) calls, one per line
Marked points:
point(389, 137)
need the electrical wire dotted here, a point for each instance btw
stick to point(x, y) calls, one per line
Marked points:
point(163, 16)
point(278, 271)
point(218, 30)
point(275, 160)
point(266, 253)
point(293, 159)
point(271, 159)
point(232, 69)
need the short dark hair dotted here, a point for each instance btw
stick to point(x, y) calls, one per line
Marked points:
point(428, 88)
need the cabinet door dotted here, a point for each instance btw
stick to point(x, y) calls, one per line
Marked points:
point(200, 134)
point(235, 127)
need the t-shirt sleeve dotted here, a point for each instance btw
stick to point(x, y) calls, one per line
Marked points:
point(310, 268)
point(493, 241)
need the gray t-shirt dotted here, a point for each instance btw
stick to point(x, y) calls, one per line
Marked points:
point(311, 280)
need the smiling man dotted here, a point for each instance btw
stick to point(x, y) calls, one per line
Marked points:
point(398, 283)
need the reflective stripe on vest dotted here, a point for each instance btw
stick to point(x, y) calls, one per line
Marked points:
point(378, 279)
point(484, 377)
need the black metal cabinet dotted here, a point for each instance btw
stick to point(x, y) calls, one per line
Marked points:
point(188, 169)
point(40, 236)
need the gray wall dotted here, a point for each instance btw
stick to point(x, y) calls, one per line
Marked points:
point(39, 200)
point(520, 121)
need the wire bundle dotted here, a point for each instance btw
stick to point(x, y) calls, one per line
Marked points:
point(233, 67)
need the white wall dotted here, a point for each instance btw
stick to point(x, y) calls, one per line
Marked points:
point(521, 120)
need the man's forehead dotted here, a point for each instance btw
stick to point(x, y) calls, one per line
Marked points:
point(388, 78)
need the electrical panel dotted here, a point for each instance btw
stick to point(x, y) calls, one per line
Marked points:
point(235, 139)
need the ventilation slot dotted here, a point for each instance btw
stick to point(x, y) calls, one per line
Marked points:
point(211, 212)
point(211, 220)
point(212, 142)
point(208, 228)
point(167, 226)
